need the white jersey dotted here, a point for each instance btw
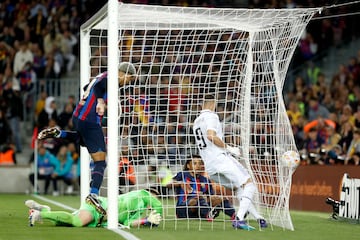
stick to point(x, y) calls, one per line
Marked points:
point(207, 120)
point(218, 162)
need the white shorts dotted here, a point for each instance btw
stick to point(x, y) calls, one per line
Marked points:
point(227, 171)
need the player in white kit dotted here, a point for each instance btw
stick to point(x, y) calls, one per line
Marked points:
point(221, 166)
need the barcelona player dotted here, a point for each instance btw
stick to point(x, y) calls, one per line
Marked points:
point(195, 195)
point(87, 118)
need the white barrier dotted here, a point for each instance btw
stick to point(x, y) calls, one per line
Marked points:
point(350, 198)
point(14, 179)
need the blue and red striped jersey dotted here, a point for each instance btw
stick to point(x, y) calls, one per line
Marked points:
point(85, 110)
point(199, 185)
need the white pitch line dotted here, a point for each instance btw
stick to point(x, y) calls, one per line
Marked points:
point(124, 234)
point(55, 203)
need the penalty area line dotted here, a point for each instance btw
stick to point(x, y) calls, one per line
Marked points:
point(124, 234)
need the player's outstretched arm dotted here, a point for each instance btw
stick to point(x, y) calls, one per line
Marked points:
point(211, 135)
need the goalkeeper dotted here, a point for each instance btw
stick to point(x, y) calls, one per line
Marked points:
point(131, 207)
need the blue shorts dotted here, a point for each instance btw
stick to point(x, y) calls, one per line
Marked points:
point(91, 135)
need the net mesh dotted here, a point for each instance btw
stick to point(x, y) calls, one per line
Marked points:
point(241, 56)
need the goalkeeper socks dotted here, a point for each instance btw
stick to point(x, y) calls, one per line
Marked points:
point(97, 176)
point(62, 218)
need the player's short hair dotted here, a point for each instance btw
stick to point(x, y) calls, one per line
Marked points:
point(127, 68)
point(189, 159)
point(208, 98)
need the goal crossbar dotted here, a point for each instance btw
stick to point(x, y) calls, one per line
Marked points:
point(136, 16)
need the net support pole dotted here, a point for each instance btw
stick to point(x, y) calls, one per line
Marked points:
point(84, 79)
point(113, 112)
point(247, 103)
point(36, 170)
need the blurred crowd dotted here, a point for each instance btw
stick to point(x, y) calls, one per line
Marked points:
point(39, 40)
point(315, 102)
point(325, 114)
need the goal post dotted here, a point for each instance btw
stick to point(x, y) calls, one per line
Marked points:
point(182, 53)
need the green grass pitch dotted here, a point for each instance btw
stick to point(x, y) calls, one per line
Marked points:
point(308, 226)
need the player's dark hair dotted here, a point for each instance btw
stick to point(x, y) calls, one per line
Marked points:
point(189, 159)
point(209, 97)
point(195, 156)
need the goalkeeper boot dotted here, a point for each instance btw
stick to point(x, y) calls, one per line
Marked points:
point(37, 206)
point(53, 132)
point(94, 201)
point(34, 216)
point(262, 223)
point(242, 225)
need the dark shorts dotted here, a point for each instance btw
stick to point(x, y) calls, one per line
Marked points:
point(182, 211)
point(200, 211)
point(91, 135)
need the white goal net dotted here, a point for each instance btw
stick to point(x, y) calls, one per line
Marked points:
point(240, 55)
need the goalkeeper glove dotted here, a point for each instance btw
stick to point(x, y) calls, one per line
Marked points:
point(153, 219)
point(233, 150)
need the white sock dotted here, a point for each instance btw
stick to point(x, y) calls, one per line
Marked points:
point(252, 210)
point(245, 200)
point(244, 206)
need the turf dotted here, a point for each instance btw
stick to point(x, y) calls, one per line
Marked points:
point(308, 225)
